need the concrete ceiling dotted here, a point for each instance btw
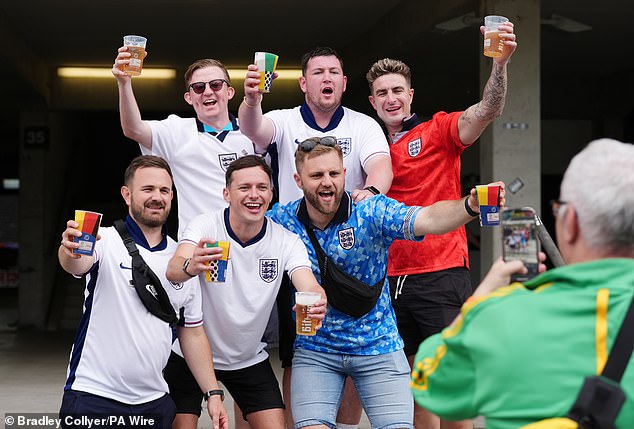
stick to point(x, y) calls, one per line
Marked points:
point(36, 36)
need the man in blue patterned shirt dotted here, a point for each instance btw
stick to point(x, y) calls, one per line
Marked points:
point(356, 238)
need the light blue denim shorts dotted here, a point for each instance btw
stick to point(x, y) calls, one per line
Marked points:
point(382, 383)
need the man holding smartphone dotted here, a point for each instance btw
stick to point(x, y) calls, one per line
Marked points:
point(519, 353)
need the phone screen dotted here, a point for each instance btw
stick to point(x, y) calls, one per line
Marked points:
point(519, 240)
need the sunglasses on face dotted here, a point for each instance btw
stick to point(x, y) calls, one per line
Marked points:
point(215, 85)
point(308, 145)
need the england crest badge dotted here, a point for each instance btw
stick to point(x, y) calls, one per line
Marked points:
point(268, 269)
point(226, 159)
point(346, 145)
point(414, 147)
point(346, 238)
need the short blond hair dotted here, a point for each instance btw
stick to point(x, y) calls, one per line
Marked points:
point(388, 66)
point(301, 155)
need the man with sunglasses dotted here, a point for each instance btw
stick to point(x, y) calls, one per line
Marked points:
point(430, 280)
point(356, 238)
point(365, 150)
point(519, 353)
point(198, 149)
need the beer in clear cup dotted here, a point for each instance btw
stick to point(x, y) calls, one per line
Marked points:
point(136, 48)
point(493, 44)
point(304, 301)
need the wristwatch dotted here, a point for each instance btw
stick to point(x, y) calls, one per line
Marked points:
point(185, 265)
point(211, 393)
point(372, 189)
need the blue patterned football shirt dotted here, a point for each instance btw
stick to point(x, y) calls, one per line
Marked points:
point(356, 240)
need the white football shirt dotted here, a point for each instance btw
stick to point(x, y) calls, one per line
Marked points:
point(359, 136)
point(120, 348)
point(236, 312)
point(198, 161)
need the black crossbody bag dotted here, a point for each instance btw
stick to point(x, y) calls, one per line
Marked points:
point(601, 396)
point(147, 285)
point(344, 292)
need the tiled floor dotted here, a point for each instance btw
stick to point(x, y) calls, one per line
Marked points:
point(33, 371)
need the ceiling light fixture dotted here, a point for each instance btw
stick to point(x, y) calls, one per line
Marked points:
point(156, 73)
point(102, 72)
point(471, 20)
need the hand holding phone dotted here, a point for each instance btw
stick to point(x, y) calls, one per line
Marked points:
point(519, 240)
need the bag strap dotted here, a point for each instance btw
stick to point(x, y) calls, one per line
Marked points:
point(322, 258)
point(601, 397)
point(155, 301)
point(125, 236)
point(622, 348)
point(319, 251)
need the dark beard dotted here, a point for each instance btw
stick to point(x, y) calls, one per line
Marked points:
point(151, 222)
point(313, 200)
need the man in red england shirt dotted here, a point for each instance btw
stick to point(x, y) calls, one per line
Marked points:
point(430, 280)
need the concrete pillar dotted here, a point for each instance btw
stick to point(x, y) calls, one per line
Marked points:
point(34, 139)
point(511, 147)
point(44, 178)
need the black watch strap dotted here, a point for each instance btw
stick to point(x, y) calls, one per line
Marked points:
point(211, 393)
point(372, 189)
point(185, 265)
point(470, 212)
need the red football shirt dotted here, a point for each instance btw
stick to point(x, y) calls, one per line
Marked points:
point(426, 165)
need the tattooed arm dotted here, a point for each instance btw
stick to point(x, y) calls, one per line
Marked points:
point(477, 117)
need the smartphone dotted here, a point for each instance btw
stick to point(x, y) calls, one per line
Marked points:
point(519, 240)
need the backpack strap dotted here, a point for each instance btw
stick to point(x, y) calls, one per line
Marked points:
point(622, 348)
point(601, 397)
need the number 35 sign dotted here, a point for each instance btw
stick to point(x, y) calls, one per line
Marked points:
point(36, 138)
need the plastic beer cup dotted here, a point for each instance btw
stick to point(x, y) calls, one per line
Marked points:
point(89, 226)
point(136, 47)
point(493, 44)
point(218, 273)
point(304, 301)
point(267, 63)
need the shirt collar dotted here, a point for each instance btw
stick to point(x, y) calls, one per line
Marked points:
point(139, 238)
point(411, 122)
point(309, 118)
point(342, 215)
point(408, 125)
point(233, 235)
point(232, 125)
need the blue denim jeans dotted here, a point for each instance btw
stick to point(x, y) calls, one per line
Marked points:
point(382, 383)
